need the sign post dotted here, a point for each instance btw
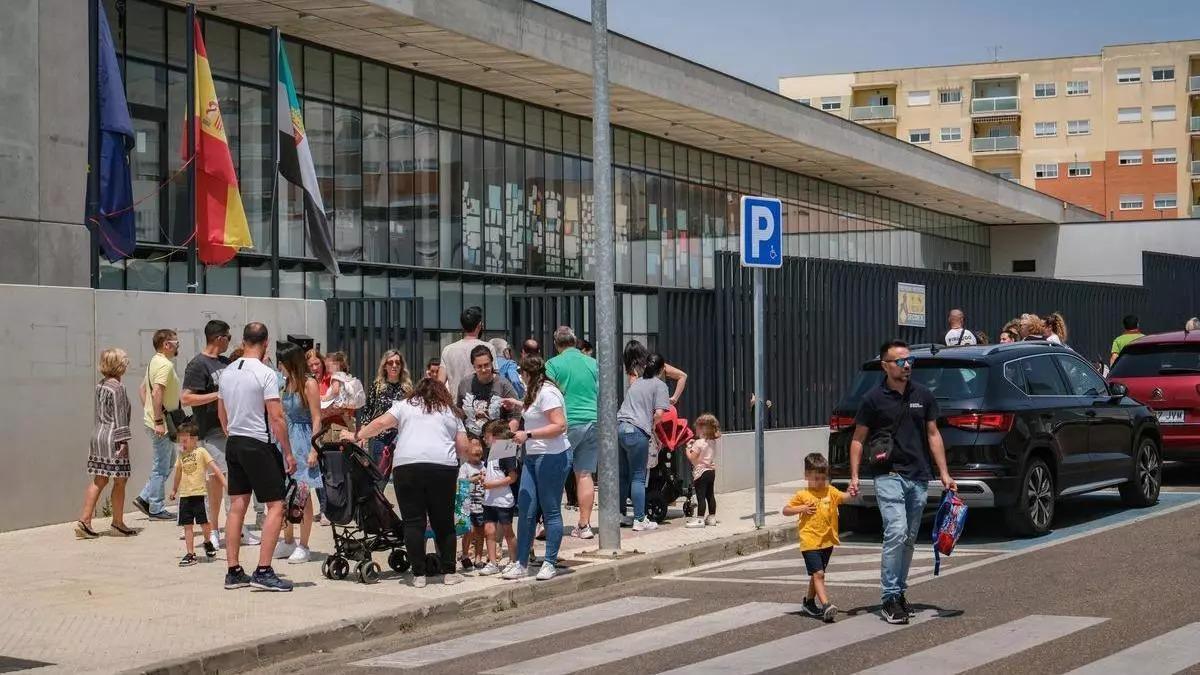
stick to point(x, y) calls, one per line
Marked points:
point(761, 246)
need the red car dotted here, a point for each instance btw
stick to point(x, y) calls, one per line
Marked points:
point(1163, 372)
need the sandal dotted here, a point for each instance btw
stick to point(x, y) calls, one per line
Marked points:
point(82, 531)
point(121, 531)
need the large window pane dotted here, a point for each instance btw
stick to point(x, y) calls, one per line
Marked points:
point(145, 32)
point(553, 130)
point(682, 235)
point(666, 221)
point(375, 87)
point(347, 81)
point(493, 116)
point(255, 62)
point(587, 220)
point(496, 309)
point(554, 214)
point(653, 209)
point(318, 122)
point(695, 225)
point(291, 281)
point(425, 194)
point(400, 92)
point(375, 182)
point(217, 280)
point(472, 110)
point(221, 42)
point(570, 134)
point(318, 72)
point(348, 237)
point(404, 201)
point(318, 285)
point(533, 125)
point(144, 275)
point(256, 166)
point(621, 222)
point(450, 193)
point(451, 304)
point(256, 280)
point(472, 202)
point(425, 99)
point(637, 227)
point(449, 108)
point(572, 215)
point(515, 231)
point(493, 208)
point(535, 204)
point(514, 121)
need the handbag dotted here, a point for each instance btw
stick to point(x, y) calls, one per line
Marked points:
point(882, 443)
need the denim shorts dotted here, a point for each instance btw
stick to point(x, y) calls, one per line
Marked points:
point(816, 560)
point(584, 447)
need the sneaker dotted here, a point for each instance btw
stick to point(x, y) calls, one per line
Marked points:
point(547, 572)
point(249, 538)
point(830, 613)
point(210, 551)
point(300, 555)
point(694, 523)
point(809, 607)
point(466, 563)
point(452, 579)
point(626, 521)
point(267, 581)
point(324, 520)
point(143, 506)
point(710, 521)
point(163, 515)
point(188, 560)
point(507, 567)
point(214, 541)
point(236, 577)
point(905, 606)
point(283, 550)
point(515, 571)
point(419, 582)
point(644, 524)
point(892, 613)
point(585, 532)
point(489, 569)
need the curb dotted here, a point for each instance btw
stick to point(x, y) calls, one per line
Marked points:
point(247, 655)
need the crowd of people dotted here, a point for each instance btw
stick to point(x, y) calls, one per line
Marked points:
point(256, 424)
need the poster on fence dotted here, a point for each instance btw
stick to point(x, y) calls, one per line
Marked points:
point(910, 305)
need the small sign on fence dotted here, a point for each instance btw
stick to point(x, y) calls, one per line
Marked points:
point(910, 305)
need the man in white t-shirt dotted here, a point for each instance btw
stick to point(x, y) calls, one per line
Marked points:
point(958, 335)
point(456, 357)
point(252, 416)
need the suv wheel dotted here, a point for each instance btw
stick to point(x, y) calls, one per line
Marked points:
point(1142, 488)
point(1034, 511)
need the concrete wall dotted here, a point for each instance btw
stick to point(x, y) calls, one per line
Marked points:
point(43, 142)
point(785, 451)
point(52, 337)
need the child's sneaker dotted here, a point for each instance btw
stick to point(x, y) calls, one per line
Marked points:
point(419, 582)
point(236, 577)
point(284, 550)
point(515, 571)
point(489, 570)
point(584, 532)
point(266, 580)
point(214, 541)
point(547, 572)
point(210, 551)
point(830, 613)
point(710, 521)
point(644, 524)
point(188, 560)
point(809, 607)
point(298, 556)
point(694, 523)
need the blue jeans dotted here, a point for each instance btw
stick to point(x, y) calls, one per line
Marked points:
point(635, 451)
point(901, 503)
point(160, 471)
point(542, 481)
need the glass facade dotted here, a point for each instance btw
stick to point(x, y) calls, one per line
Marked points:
point(434, 187)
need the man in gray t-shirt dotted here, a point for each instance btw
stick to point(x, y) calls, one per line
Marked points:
point(456, 356)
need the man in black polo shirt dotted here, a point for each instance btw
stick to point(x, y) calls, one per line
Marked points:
point(910, 411)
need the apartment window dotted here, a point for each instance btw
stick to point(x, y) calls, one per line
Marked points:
point(1126, 115)
point(831, 103)
point(1006, 174)
point(951, 134)
point(1078, 88)
point(1131, 203)
point(949, 96)
point(1165, 156)
point(1129, 75)
point(1045, 171)
point(918, 135)
point(1024, 266)
point(1045, 129)
point(1079, 170)
point(804, 101)
point(1079, 127)
point(916, 98)
point(1162, 73)
point(1165, 201)
point(1045, 90)
point(1129, 157)
point(1162, 113)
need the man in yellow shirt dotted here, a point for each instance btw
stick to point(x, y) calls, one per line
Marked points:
point(191, 486)
point(160, 396)
point(817, 506)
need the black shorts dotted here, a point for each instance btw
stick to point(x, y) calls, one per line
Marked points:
point(256, 467)
point(817, 560)
point(498, 514)
point(192, 511)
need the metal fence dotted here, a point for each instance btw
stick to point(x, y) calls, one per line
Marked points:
point(1172, 283)
point(365, 328)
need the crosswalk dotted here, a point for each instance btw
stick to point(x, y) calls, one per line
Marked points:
point(505, 646)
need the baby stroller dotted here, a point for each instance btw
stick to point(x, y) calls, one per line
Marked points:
point(363, 520)
point(670, 478)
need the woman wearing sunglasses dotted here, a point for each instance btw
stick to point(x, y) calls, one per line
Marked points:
point(392, 383)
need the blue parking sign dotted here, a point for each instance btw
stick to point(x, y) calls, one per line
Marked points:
point(762, 232)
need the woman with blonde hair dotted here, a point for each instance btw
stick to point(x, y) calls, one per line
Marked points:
point(109, 456)
point(392, 383)
point(1033, 328)
point(1056, 328)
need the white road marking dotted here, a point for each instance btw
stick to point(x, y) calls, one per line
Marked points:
point(1163, 655)
point(855, 559)
point(649, 640)
point(848, 575)
point(987, 645)
point(752, 556)
point(794, 648)
point(524, 631)
point(776, 581)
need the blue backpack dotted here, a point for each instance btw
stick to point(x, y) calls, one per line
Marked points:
point(948, 526)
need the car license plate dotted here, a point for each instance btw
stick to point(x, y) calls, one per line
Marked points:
point(1169, 416)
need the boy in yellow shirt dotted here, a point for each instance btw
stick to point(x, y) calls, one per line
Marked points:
point(817, 506)
point(191, 486)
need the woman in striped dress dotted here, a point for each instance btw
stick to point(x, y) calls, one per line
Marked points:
point(109, 457)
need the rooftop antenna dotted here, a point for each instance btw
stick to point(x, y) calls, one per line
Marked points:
point(995, 50)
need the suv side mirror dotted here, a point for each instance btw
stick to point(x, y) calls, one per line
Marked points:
point(1117, 390)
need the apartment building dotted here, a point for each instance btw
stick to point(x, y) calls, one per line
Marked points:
point(1117, 133)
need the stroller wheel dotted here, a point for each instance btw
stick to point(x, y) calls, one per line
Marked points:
point(367, 571)
point(398, 560)
point(656, 509)
point(341, 568)
point(433, 564)
point(327, 567)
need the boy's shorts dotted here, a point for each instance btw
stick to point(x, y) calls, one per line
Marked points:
point(816, 560)
point(498, 514)
point(477, 519)
point(192, 511)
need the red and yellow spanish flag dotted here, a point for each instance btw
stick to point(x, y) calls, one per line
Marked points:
point(221, 227)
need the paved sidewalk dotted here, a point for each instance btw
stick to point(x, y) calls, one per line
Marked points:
point(115, 604)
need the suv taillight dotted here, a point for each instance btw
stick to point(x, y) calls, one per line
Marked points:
point(840, 422)
point(981, 421)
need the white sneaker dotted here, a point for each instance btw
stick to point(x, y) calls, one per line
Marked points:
point(710, 521)
point(644, 524)
point(451, 579)
point(283, 550)
point(418, 582)
point(300, 555)
point(507, 567)
point(214, 540)
point(489, 569)
point(584, 532)
point(547, 572)
point(249, 538)
point(694, 523)
point(515, 571)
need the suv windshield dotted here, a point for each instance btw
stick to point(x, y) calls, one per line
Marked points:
point(948, 380)
point(1150, 360)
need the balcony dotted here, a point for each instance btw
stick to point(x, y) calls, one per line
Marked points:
point(1196, 169)
point(996, 144)
point(1196, 210)
point(1194, 125)
point(1194, 84)
point(997, 105)
point(873, 113)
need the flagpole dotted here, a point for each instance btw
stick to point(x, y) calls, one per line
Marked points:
point(273, 111)
point(93, 174)
point(189, 136)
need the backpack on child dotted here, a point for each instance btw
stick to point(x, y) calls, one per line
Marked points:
point(948, 524)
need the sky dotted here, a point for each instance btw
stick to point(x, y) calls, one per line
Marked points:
point(761, 40)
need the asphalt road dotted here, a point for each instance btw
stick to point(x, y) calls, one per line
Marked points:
point(1113, 590)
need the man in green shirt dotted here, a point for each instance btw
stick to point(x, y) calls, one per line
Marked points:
point(578, 378)
point(1132, 333)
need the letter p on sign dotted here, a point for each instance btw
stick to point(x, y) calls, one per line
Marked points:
point(762, 232)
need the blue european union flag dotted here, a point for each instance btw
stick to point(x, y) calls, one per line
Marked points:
point(117, 232)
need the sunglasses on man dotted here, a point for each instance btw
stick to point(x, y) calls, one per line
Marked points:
point(905, 362)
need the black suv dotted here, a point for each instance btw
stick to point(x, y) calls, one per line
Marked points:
point(1023, 424)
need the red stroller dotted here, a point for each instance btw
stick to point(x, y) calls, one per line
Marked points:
point(671, 478)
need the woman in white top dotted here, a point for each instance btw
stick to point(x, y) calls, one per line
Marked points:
point(544, 473)
point(430, 438)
